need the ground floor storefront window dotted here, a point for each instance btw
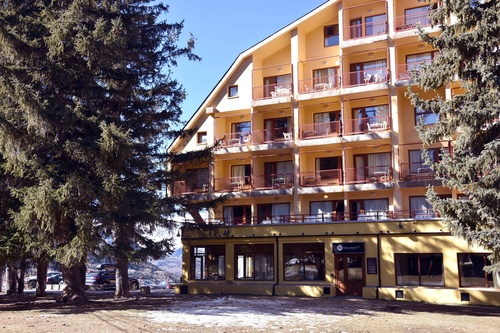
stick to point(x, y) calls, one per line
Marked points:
point(208, 262)
point(471, 269)
point(304, 261)
point(419, 269)
point(254, 262)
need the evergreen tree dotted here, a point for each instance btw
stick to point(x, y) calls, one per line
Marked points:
point(87, 100)
point(470, 59)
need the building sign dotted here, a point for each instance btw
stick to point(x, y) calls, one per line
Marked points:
point(371, 265)
point(356, 247)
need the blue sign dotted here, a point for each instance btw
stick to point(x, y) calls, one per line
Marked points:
point(355, 247)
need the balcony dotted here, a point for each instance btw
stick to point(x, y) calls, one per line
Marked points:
point(320, 130)
point(186, 187)
point(333, 217)
point(366, 125)
point(234, 139)
point(270, 135)
point(319, 84)
point(416, 172)
point(365, 77)
point(413, 20)
point(276, 84)
point(321, 177)
point(367, 29)
point(371, 174)
point(273, 181)
point(232, 184)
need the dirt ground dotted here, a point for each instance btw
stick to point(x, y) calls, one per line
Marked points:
point(163, 311)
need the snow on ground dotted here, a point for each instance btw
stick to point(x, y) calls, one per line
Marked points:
point(221, 311)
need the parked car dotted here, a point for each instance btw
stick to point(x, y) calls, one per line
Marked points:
point(106, 279)
point(149, 283)
point(52, 278)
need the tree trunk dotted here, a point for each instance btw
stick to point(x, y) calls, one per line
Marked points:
point(20, 278)
point(2, 273)
point(11, 279)
point(122, 284)
point(74, 292)
point(41, 277)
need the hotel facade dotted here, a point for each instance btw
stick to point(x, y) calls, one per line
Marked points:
point(322, 168)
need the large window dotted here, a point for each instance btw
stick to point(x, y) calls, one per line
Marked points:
point(329, 170)
point(425, 117)
point(332, 35)
point(198, 179)
point(415, 61)
point(417, 161)
point(376, 25)
point(208, 262)
point(326, 78)
point(371, 167)
point(370, 118)
point(278, 174)
point(471, 269)
point(304, 261)
point(240, 176)
point(370, 209)
point(272, 83)
point(241, 214)
point(368, 72)
point(424, 269)
point(276, 128)
point(273, 213)
point(413, 16)
point(254, 262)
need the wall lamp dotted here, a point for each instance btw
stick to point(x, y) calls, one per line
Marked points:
point(226, 232)
point(400, 225)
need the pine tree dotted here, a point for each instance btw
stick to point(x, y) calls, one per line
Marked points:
point(87, 100)
point(470, 60)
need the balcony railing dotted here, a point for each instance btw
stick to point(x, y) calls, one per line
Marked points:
point(320, 130)
point(270, 135)
point(366, 125)
point(318, 84)
point(189, 187)
point(371, 174)
point(368, 216)
point(411, 21)
point(321, 177)
point(272, 91)
point(232, 184)
point(416, 172)
point(234, 139)
point(365, 77)
point(367, 29)
point(273, 181)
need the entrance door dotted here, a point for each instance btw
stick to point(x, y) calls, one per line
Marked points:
point(349, 273)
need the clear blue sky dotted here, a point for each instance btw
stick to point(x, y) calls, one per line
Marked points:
point(223, 29)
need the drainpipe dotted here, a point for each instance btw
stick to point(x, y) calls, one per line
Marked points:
point(277, 275)
point(378, 264)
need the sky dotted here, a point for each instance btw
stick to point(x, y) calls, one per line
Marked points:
point(223, 29)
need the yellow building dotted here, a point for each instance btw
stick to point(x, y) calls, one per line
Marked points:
point(323, 168)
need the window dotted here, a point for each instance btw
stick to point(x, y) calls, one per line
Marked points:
point(278, 170)
point(371, 167)
point(208, 262)
point(417, 161)
point(356, 26)
point(232, 91)
point(419, 205)
point(471, 270)
point(202, 138)
point(240, 132)
point(271, 83)
point(326, 78)
point(328, 169)
point(375, 25)
point(234, 215)
point(370, 118)
point(425, 269)
point(254, 262)
point(273, 213)
point(414, 61)
point(304, 261)
point(241, 174)
point(198, 179)
point(413, 16)
point(332, 35)
point(326, 123)
point(368, 72)
point(275, 129)
point(370, 209)
point(425, 117)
